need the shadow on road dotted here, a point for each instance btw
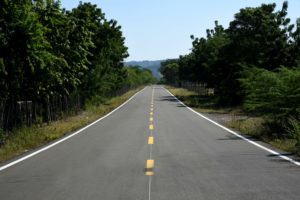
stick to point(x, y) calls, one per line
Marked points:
point(168, 98)
point(282, 154)
point(232, 137)
point(276, 158)
point(172, 100)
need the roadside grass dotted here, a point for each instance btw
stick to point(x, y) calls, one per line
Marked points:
point(253, 126)
point(204, 104)
point(24, 139)
point(257, 128)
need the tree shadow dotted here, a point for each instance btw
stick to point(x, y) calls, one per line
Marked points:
point(233, 137)
point(278, 159)
point(168, 98)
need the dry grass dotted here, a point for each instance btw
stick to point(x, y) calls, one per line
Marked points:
point(250, 126)
point(257, 128)
point(27, 138)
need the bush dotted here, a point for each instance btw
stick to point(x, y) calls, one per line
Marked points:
point(273, 94)
point(293, 129)
point(277, 93)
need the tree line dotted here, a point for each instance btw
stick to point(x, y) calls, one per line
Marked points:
point(47, 51)
point(255, 62)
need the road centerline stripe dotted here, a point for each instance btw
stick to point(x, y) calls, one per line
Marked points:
point(151, 127)
point(150, 164)
point(150, 161)
point(151, 140)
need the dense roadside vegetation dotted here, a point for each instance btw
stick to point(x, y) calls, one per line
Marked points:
point(254, 63)
point(55, 63)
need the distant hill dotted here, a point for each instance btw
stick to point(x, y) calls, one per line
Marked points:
point(152, 65)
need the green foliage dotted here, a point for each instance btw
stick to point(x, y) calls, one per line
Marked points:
point(137, 76)
point(47, 52)
point(293, 127)
point(259, 36)
point(105, 69)
point(170, 71)
point(276, 93)
point(254, 62)
point(24, 50)
point(206, 55)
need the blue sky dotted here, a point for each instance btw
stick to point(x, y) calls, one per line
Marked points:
point(160, 29)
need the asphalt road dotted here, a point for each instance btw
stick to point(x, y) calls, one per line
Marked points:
point(186, 157)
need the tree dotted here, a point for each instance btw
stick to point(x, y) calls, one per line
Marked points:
point(105, 70)
point(259, 36)
point(169, 70)
point(207, 57)
point(47, 52)
point(137, 76)
point(70, 54)
point(295, 49)
point(24, 51)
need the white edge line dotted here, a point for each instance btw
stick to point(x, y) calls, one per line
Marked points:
point(67, 137)
point(238, 135)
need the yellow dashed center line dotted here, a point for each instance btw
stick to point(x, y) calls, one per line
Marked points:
point(151, 140)
point(149, 173)
point(151, 127)
point(150, 164)
point(149, 167)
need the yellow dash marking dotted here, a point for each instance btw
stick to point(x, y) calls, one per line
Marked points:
point(149, 165)
point(151, 119)
point(151, 140)
point(151, 127)
point(151, 113)
point(149, 173)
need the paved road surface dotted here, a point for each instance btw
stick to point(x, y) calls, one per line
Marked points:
point(193, 159)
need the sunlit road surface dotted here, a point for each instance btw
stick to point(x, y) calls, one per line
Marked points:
point(153, 147)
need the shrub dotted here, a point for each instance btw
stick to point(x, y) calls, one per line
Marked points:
point(273, 94)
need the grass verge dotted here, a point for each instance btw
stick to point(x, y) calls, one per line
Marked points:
point(236, 119)
point(257, 128)
point(204, 104)
point(24, 139)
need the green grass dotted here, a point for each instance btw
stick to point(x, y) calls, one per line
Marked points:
point(256, 127)
point(27, 138)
